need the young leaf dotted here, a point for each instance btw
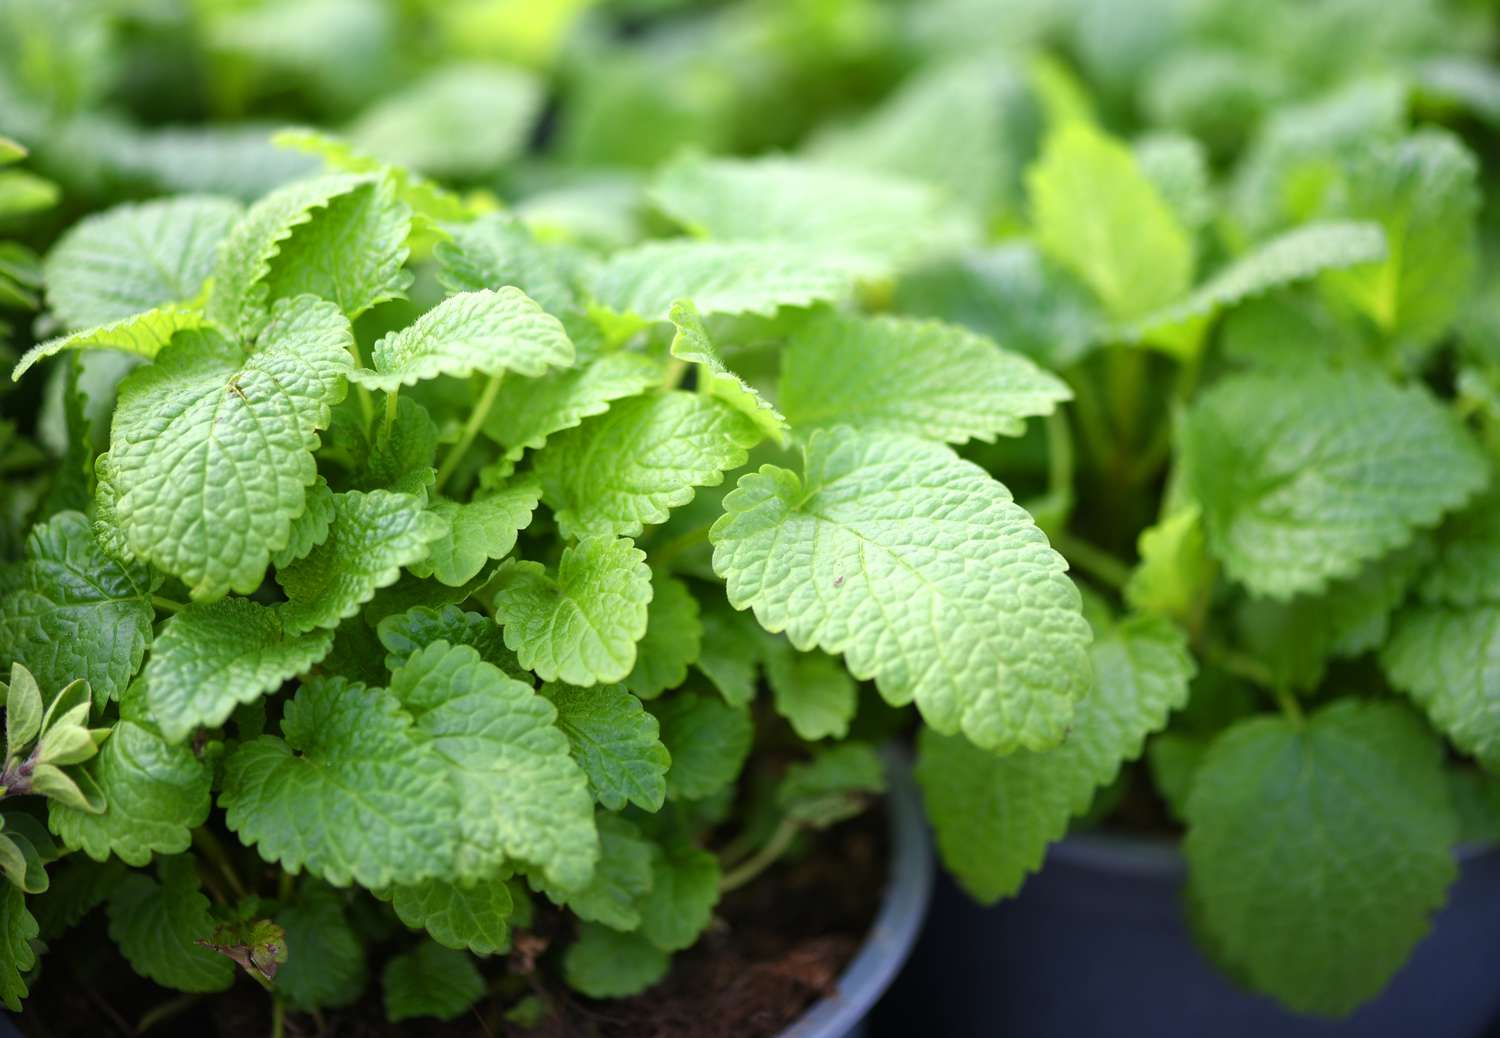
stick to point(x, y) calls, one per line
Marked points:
point(373, 535)
point(581, 627)
point(527, 411)
point(614, 892)
point(136, 257)
point(691, 343)
point(143, 334)
point(481, 530)
point(158, 923)
point(921, 571)
point(473, 332)
point(520, 795)
point(616, 743)
point(1448, 660)
point(813, 692)
point(672, 640)
point(733, 646)
point(475, 918)
point(606, 963)
point(352, 792)
point(209, 659)
point(1305, 477)
point(708, 741)
point(684, 891)
point(403, 634)
point(1355, 792)
point(70, 610)
point(430, 981)
point(309, 529)
point(994, 816)
point(211, 450)
point(17, 929)
point(922, 378)
point(325, 958)
point(626, 469)
point(497, 250)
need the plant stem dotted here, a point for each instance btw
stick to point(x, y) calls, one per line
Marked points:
point(471, 429)
point(278, 1018)
point(762, 859)
point(366, 405)
point(1093, 560)
point(166, 1011)
point(390, 412)
point(211, 849)
point(1289, 705)
point(167, 605)
point(1060, 463)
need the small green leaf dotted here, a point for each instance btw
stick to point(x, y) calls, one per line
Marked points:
point(158, 924)
point(616, 743)
point(708, 741)
point(614, 893)
point(684, 891)
point(813, 692)
point(691, 343)
point(325, 958)
point(23, 711)
point(18, 927)
point(475, 918)
point(430, 981)
point(605, 963)
point(672, 640)
point(483, 529)
point(1448, 660)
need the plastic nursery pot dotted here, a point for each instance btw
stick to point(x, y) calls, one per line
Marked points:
point(1097, 943)
point(903, 907)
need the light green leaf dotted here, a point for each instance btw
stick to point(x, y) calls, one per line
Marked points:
point(627, 468)
point(17, 929)
point(309, 529)
point(835, 785)
point(605, 963)
point(23, 710)
point(428, 201)
point(813, 692)
point(613, 894)
point(527, 411)
point(520, 795)
point(135, 257)
point(1098, 215)
point(497, 250)
point(581, 627)
point(430, 981)
point(209, 659)
point(373, 535)
point(708, 741)
point(1448, 660)
point(616, 743)
point(211, 449)
point(325, 959)
point(353, 792)
point(143, 334)
point(740, 277)
point(1175, 573)
point(684, 891)
point(158, 922)
point(1353, 806)
point(404, 633)
point(1306, 476)
point(994, 816)
point(691, 343)
point(474, 332)
point(481, 530)
point(70, 610)
point(923, 378)
point(474, 918)
point(921, 571)
point(671, 642)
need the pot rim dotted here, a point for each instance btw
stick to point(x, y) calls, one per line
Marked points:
point(903, 908)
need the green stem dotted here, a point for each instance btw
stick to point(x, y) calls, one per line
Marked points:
point(1289, 705)
point(390, 411)
point(1091, 422)
point(278, 1018)
point(471, 429)
point(214, 851)
point(762, 859)
point(1093, 560)
point(167, 605)
point(673, 376)
point(166, 1011)
point(366, 405)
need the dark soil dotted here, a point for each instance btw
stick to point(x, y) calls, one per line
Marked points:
point(777, 945)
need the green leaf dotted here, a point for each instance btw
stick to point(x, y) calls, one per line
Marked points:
point(733, 647)
point(527, 411)
point(835, 785)
point(209, 659)
point(158, 923)
point(429, 203)
point(520, 795)
point(605, 963)
point(1423, 191)
point(1098, 215)
point(474, 918)
point(921, 571)
point(353, 792)
point(403, 634)
point(430, 981)
point(1174, 759)
point(740, 277)
point(1354, 806)
point(922, 378)
point(325, 959)
point(684, 891)
point(309, 529)
point(616, 743)
point(70, 610)
point(581, 627)
point(813, 692)
point(672, 640)
point(339, 237)
point(155, 793)
point(497, 250)
point(143, 334)
point(994, 816)
point(870, 221)
point(23, 711)
point(1175, 573)
point(1448, 660)
point(474, 332)
point(1304, 477)
point(1465, 568)
point(211, 450)
point(135, 257)
point(613, 894)
point(481, 530)
point(17, 929)
point(708, 741)
point(373, 535)
point(626, 469)
point(692, 344)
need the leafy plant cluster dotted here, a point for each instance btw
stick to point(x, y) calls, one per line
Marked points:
point(386, 564)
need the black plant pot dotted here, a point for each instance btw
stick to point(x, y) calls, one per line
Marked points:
point(1097, 944)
